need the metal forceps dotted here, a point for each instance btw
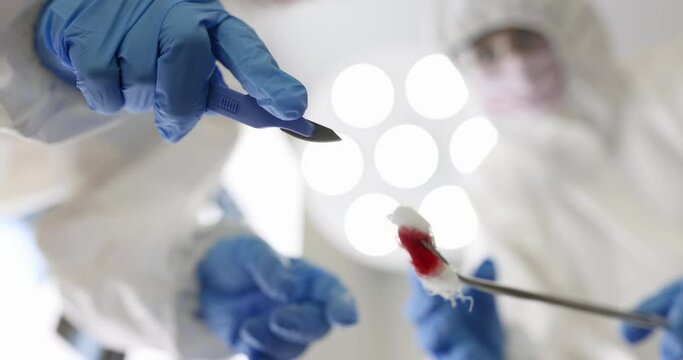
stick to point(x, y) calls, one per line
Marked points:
point(491, 287)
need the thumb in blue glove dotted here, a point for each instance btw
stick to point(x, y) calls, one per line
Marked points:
point(266, 306)
point(456, 333)
point(669, 304)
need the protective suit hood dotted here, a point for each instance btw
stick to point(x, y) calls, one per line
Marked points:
point(594, 86)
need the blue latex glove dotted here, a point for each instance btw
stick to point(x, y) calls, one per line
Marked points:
point(139, 54)
point(265, 306)
point(667, 303)
point(450, 333)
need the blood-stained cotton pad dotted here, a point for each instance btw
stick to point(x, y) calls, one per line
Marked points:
point(436, 276)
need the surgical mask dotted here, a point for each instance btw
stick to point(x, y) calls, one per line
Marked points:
point(519, 82)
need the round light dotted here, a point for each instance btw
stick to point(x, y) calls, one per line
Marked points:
point(332, 168)
point(406, 156)
point(471, 143)
point(367, 227)
point(362, 96)
point(435, 88)
point(451, 215)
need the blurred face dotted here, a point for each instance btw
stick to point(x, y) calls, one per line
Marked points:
point(514, 71)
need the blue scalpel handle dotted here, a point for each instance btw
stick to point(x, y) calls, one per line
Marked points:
point(245, 109)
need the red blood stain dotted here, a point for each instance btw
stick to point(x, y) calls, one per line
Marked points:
point(423, 260)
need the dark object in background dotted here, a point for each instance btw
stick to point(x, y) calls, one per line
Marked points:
point(86, 345)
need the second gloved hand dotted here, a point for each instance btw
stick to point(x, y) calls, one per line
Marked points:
point(450, 333)
point(669, 304)
point(265, 306)
point(161, 54)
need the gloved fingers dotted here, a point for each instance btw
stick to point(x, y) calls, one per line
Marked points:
point(439, 332)
point(269, 270)
point(239, 48)
point(469, 350)
point(249, 352)
point(224, 314)
point(659, 304)
point(483, 301)
point(672, 342)
point(633, 334)
point(242, 262)
point(299, 323)
point(138, 62)
point(257, 355)
point(319, 286)
point(444, 327)
point(341, 309)
point(217, 305)
point(675, 317)
point(184, 68)
point(138, 54)
point(256, 334)
point(97, 77)
point(420, 303)
point(672, 347)
point(487, 270)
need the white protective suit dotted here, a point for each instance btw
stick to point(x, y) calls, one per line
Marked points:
point(124, 243)
point(585, 201)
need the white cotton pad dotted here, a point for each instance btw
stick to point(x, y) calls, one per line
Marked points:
point(408, 217)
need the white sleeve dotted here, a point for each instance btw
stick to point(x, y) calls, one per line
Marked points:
point(125, 249)
point(520, 220)
point(33, 102)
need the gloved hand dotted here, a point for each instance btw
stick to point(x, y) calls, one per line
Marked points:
point(667, 303)
point(265, 306)
point(450, 333)
point(139, 54)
